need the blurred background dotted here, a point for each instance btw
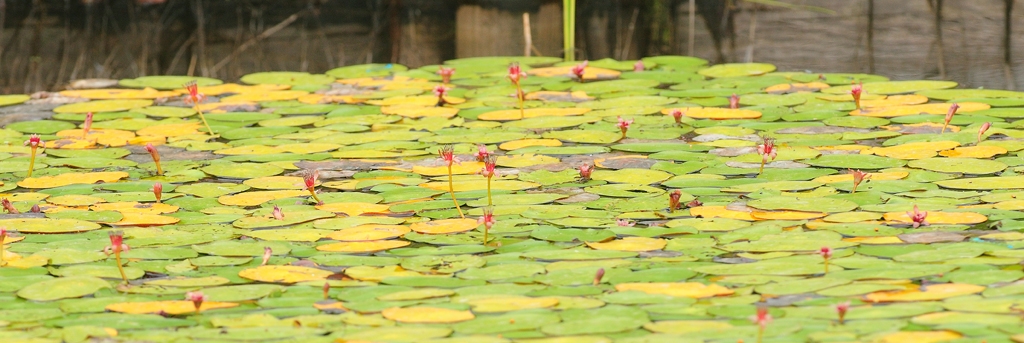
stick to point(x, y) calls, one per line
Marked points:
point(44, 44)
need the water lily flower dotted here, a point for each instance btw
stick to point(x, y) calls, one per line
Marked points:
point(638, 66)
point(598, 276)
point(858, 177)
point(949, 116)
point(677, 114)
point(694, 203)
point(481, 152)
point(981, 131)
point(515, 74)
point(446, 74)
point(585, 171)
point(624, 223)
point(856, 91)
point(487, 220)
point(767, 150)
point(195, 98)
point(156, 157)
point(309, 177)
point(918, 218)
point(116, 246)
point(35, 209)
point(841, 309)
point(277, 213)
point(579, 69)
point(762, 319)
point(440, 91)
point(490, 162)
point(826, 253)
point(158, 191)
point(197, 298)
point(734, 101)
point(623, 126)
point(34, 143)
point(673, 200)
point(8, 206)
point(447, 153)
point(267, 252)
point(87, 125)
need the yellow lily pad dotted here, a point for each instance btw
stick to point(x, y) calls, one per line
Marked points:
point(510, 303)
point(369, 232)
point(48, 225)
point(171, 307)
point(353, 209)
point(71, 179)
point(630, 244)
point(444, 226)
point(931, 292)
point(258, 197)
point(284, 274)
point(362, 247)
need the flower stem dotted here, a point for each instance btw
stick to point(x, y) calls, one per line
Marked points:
point(451, 190)
point(201, 116)
point(2, 263)
point(486, 229)
point(117, 257)
point(762, 169)
point(826, 266)
point(32, 162)
point(760, 334)
point(159, 170)
point(520, 96)
point(313, 193)
point(489, 202)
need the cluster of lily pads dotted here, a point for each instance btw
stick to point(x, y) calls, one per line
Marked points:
point(515, 199)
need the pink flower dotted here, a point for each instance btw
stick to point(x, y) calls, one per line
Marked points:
point(481, 152)
point(8, 207)
point(35, 209)
point(490, 162)
point(34, 141)
point(447, 153)
point(194, 97)
point(88, 124)
point(825, 252)
point(277, 213)
point(638, 66)
point(310, 177)
point(267, 251)
point(197, 298)
point(762, 318)
point(673, 200)
point(158, 191)
point(624, 222)
point(694, 203)
point(3, 234)
point(579, 69)
point(116, 243)
point(841, 309)
point(858, 177)
point(446, 74)
point(677, 114)
point(585, 171)
point(440, 91)
point(515, 73)
point(153, 152)
point(623, 125)
point(734, 101)
point(918, 217)
point(981, 131)
point(487, 219)
point(949, 115)
point(855, 91)
point(767, 149)
point(598, 276)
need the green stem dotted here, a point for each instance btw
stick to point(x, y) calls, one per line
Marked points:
point(117, 256)
point(32, 162)
point(2, 263)
point(451, 190)
point(489, 202)
point(201, 116)
point(313, 193)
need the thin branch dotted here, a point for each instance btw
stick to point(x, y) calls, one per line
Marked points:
point(269, 32)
